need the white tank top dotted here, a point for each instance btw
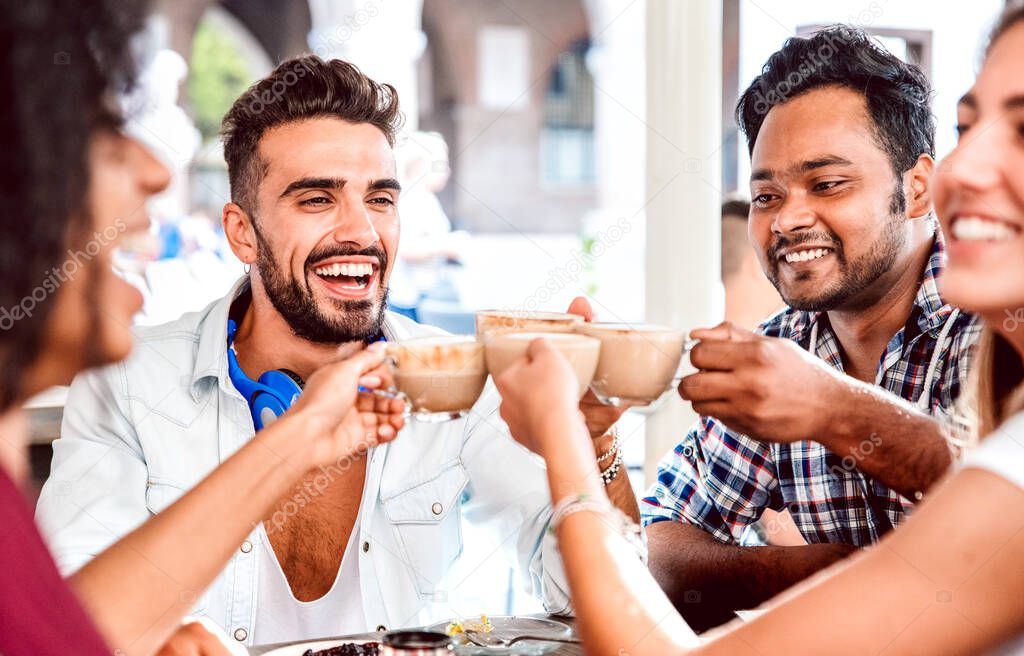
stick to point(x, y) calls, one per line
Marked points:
point(280, 617)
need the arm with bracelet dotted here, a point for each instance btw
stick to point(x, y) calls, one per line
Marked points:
point(933, 601)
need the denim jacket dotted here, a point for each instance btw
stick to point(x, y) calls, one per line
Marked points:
point(138, 434)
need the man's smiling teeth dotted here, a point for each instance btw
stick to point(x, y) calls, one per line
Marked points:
point(975, 228)
point(804, 256)
point(350, 270)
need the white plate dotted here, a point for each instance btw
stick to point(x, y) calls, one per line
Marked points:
point(300, 649)
point(509, 627)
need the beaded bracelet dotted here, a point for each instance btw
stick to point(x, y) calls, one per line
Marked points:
point(629, 530)
point(608, 475)
point(613, 449)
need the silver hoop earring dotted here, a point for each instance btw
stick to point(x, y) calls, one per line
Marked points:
point(247, 268)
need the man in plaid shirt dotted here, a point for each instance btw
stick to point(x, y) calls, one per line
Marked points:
point(836, 409)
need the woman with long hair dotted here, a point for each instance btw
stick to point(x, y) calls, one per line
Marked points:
point(950, 580)
point(72, 186)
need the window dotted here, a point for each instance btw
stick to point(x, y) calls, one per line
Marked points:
point(567, 135)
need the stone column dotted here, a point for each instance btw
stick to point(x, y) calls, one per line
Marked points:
point(382, 37)
point(684, 119)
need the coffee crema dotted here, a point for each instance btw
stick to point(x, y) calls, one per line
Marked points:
point(497, 322)
point(638, 362)
point(582, 352)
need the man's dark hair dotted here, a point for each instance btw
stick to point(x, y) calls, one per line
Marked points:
point(897, 94)
point(298, 89)
point(62, 62)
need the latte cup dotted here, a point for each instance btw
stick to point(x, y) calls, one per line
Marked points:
point(638, 363)
point(441, 377)
point(498, 322)
point(582, 352)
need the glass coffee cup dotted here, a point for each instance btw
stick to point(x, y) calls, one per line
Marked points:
point(638, 363)
point(497, 322)
point(582, 352)
point(440, 377)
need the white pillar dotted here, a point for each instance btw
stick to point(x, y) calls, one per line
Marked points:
point(615, 59)
point(684, 119)
point(382, 37)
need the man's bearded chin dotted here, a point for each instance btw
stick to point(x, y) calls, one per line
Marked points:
point(341, 322)
point(855, 276)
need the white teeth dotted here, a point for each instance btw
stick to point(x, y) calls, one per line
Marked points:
point(353, 270)
point(806, 255)
point(974, 228)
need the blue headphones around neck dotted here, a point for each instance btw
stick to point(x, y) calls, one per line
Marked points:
point(271, 395)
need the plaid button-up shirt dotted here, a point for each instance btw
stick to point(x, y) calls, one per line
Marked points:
point(722, 481)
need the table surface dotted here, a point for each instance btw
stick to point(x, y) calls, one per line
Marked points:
point(561, 650)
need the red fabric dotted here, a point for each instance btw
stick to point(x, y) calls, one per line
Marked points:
point(38, 612)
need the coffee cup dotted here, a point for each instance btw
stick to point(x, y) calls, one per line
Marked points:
point(638, 363)
point(441, 376)
point(497, 322)
point(582, 352)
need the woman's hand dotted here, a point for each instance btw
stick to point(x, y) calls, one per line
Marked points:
point(193, 639)
point(344, 420)
point(537, 393)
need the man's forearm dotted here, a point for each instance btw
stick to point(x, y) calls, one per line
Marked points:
point(887, 438)
point(707, 580)
point(138, 589)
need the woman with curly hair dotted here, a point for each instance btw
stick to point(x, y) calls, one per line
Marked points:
point(950, 580)
point(72, 186)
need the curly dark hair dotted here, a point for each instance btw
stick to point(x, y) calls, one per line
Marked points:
point(898, 95)
point(64, 62)
point(301, 88)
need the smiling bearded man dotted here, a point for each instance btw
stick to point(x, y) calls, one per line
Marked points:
point(834, 409)
point(363, 545)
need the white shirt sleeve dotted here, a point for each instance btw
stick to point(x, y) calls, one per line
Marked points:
point(508, 491)
point(1002, 452)
point(96, 492)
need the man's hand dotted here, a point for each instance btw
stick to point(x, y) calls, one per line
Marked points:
point(600, 417)
point(765, 387)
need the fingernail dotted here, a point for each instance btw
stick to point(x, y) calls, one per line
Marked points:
point(370, 381)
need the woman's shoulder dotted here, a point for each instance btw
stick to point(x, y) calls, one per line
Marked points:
point(33, 596)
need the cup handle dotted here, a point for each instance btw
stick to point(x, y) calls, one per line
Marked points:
point(688, 345)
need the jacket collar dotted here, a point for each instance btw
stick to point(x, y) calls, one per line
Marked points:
point(211, 354)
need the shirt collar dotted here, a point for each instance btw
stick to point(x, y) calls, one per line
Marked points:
point(211, 355)
point(930, 310)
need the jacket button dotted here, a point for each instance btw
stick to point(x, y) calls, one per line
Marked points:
point(436, 508)
point(241, 635)
point(366, 547)
point(246, 547)
point(381, 628)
